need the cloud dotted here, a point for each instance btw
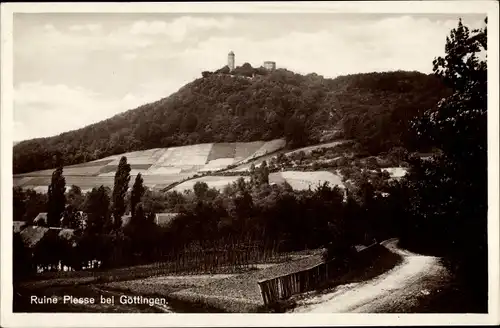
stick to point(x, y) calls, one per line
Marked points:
point(129, 56)
point(49, 27)
point(179, 28)
point(406, 43)
point(85, 27)
point(42, 110)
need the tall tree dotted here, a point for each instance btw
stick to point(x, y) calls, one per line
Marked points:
point(295, 132)
point(75, 197)
point(97, 204)
point(122, 179)
point(56, 198)
point(449, 194)
point(263, 173)
point(137, 193)
point(200, 189)
point(19, 203)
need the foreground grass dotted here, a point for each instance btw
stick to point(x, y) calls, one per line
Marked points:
point(238, 293)
point(70, 278)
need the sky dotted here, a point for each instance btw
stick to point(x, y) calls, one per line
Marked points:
point(75, 69)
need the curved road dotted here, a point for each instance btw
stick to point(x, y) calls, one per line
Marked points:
point(394, 291)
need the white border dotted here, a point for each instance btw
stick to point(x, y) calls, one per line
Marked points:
point(9, 319)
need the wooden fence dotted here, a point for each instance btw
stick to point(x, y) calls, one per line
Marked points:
point(285, 286)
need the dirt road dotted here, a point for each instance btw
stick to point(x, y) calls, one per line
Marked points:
point(394, 291)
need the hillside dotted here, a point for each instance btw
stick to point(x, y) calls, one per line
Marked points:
point(160, 167)
point(372, 108)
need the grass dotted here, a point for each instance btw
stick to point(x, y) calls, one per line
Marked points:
point(303, 180)
point(186, 155)
point(99, 163)
point(222, 150)
point(218, 182)
point(163, 285)
point(113, 168)
point(246, 149)
point(20, 181)
point(267, 148)
point(309, 149)
point(241, 293)
point(63, 278)
point(164, 167)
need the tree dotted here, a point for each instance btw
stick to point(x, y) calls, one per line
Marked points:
point(22, 259)
point(295, 132)
point(19, 203)
point(449, 194)
point(200, 189)
point(75, 197)
point(263, 173)
point(137, 193)
point(56, 198)
point(122, 179)
point(68, 218)
point(97, 204)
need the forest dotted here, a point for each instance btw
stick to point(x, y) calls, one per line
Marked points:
point(374, 109)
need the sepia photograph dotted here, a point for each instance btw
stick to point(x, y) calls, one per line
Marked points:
point(249, 158)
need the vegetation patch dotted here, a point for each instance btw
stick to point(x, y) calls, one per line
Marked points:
point(222, 150)
point(310, 180)
point(246, 149)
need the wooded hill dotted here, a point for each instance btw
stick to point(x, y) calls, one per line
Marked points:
point(252, 104)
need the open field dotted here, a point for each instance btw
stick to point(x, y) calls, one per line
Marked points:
point(241, 293)
point(160, 167)
point(222, 150)
point(165, 285)
point(309, 149)
point(246, 149)
point(230, 292)
point(267, 148)
point(218, 182)
point(304, 180)
point(396, 172)
point(244, 165)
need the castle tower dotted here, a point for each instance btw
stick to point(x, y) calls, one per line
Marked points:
point(270, 65)
point(230, 60)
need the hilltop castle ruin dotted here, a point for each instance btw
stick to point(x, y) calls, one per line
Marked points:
point(269, 65)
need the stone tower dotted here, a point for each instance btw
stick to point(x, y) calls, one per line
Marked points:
point(270, 65)
point(230, 60)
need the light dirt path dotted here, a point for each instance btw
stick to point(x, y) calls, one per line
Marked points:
point(398, 288)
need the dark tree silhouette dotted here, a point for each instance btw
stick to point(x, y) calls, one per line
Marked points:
point(56, 198)
point(122, 179)
point(449, 194)
point(137, 193)
point(97, 205)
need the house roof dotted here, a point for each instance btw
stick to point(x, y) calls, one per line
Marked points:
point(32, 235)
point(18, 226)
point(164, 219)
point(41, 216)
